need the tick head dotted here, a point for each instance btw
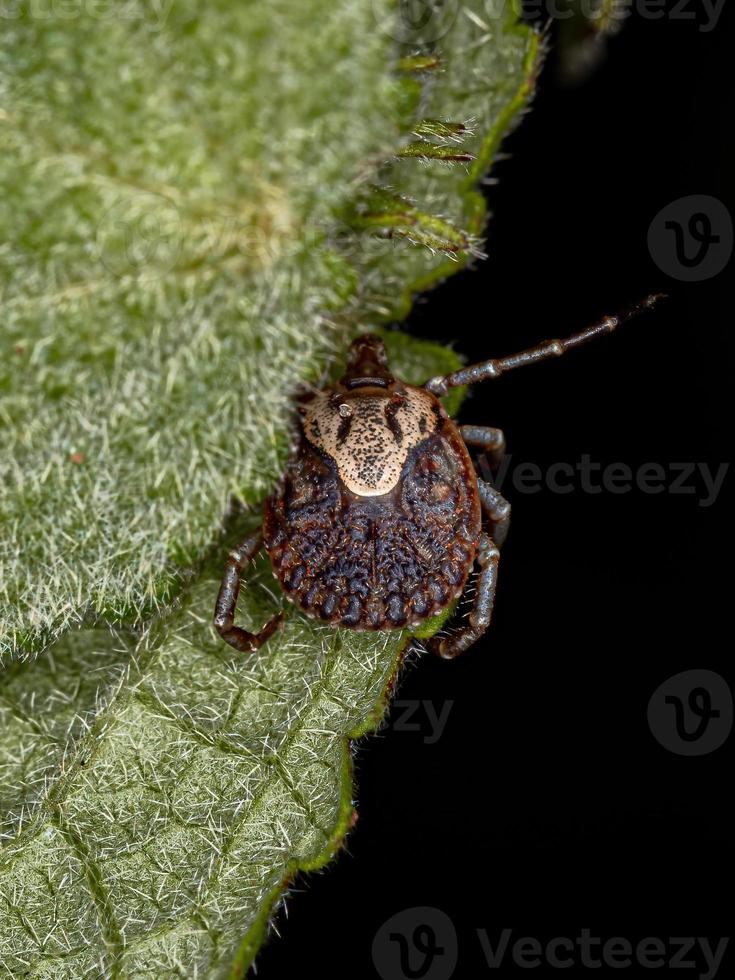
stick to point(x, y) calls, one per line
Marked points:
point(367, 364)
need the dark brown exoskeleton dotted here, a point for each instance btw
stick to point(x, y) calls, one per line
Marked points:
point(380, 516)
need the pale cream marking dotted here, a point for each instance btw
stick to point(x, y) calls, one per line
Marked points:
point(369, 459)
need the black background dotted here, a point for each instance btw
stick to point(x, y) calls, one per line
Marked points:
point(546, 806)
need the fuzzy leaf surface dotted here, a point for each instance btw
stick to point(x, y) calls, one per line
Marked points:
point(175, 186)
point(177, 203)
point(158, 791)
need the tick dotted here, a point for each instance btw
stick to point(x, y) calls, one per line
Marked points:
point(380, 516)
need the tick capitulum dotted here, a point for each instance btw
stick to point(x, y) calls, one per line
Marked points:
point(380, 516)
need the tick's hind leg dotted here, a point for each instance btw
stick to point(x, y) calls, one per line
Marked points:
point(496, 509)
point(479, 616)
point(224, 613)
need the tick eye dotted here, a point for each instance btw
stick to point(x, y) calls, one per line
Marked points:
point(345, 411)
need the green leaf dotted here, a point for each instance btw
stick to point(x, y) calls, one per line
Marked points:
point(175, 192)
point(168, 179)
point(180, 195)
point(200, 782)
point(159, 792)
point(485, 78)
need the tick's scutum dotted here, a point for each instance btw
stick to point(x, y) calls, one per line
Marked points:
point(375, 522)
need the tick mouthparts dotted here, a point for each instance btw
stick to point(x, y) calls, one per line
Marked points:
point(367, 363)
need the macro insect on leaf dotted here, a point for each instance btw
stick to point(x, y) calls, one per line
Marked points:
point(380, 516)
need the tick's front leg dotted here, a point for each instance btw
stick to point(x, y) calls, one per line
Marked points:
point(495, 367)
point(224, 614)
point(482, 607)
point(490, 441)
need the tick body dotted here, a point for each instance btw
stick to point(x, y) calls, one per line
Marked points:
point(380, 517)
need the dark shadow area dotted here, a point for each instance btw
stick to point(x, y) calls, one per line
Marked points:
point(545, 805)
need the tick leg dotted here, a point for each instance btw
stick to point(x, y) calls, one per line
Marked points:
point(224, 613)
point(490, 441)
point(497, 511)
point(486, 370)
point(482, 607)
